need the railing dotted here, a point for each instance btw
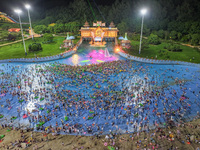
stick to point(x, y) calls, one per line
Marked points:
point(40, 59)
point(78, 44)
point(116, 42)
point(155, 61)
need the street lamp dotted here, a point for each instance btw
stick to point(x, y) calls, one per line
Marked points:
point(28, 7)
point(143, 12)
point(18, 11)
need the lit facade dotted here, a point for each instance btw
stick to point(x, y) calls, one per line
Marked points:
point(98, 29)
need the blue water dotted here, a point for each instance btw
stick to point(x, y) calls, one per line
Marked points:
point(111, 111)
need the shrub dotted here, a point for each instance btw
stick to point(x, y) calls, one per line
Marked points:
point(48, 37)
point(195, 39)
point(160, 34)
point(153, 39)
point(35, 47)
point(173, 48)
point(173, 35)
point(135, 37)
point(184, 39)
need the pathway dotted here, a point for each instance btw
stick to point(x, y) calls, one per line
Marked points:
point(13, 42)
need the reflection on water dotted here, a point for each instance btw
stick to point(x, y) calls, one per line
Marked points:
point(86, 55)
point(75, 59)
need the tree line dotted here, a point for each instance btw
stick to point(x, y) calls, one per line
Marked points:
point(180, 18)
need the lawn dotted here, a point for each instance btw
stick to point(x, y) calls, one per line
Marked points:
point(17, 50)
point(152, 51)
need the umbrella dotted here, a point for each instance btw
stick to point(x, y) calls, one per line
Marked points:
point(120, 38)
point(71, 37)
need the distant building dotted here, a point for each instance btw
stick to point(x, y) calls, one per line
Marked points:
point(98, 33)
point(14, 30)
point(125, 43)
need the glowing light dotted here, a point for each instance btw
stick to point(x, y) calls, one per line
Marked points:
point(99, 61)
point(144, 11)
point(75, 59)
point(117, 49)
point(27, 6)
point(85, 60)
point(18, 11)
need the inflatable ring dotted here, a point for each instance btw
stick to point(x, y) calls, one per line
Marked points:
point(91, 112)
point(1, 116)
point(13, 118)
point(66, 118)
point(41, 108)
point(89, 118)
point(41, 99)
point(21, 101)
point(41, 123)
point(2, 136)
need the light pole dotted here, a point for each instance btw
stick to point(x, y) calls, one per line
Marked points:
point(28, 7)
point(18, 11)
point(143, 12)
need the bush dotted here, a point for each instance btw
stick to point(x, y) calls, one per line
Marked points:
point(160, 34)
point(153, 39)
point(164, 54)
point(173, 35)
point(135, 37)
point(35, 47)
point(195, 39)
point(40, 29)
point(12, 36)
point(184, 39)
point(173, 48)
point(48, 38)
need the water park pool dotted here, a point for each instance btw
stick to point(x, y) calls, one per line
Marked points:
point(115, 95)
point(86, 55)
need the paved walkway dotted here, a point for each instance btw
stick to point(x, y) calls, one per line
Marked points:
point(155, 61)
point(191, 46)
point(13, 42)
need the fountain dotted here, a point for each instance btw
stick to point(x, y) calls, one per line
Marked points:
point(106, 53)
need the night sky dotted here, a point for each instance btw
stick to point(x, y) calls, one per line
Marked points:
point(7, 6)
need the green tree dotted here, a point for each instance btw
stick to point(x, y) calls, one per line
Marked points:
point(122, 27)
point(50, 29)
point(4, 35)
point(35, 47)
point(40, 29)
point(12, 36)
point(58, 28)
point(184, 38)
point(48, 37)
point(161, 34)
point(153, 39)
point(179, 36)
point(166, 35)
point(195, 39)
point(173, 35)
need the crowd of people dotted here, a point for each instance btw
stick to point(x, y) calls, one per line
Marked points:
point(112, 97)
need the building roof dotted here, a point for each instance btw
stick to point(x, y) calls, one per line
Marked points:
point(93, 28)
point(86, 24)
point(14, 29)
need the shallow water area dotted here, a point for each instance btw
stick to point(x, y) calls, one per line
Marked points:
point(114, 96)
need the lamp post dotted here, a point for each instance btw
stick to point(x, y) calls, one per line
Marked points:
point(18, 11)
point(28, 7)
point(143, 12)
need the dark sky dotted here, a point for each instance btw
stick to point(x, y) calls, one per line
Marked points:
point(7, 6)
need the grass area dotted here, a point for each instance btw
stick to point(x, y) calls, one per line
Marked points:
point(17, 50)
point(10, 41)
point(187, 53)
point(4, 42)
